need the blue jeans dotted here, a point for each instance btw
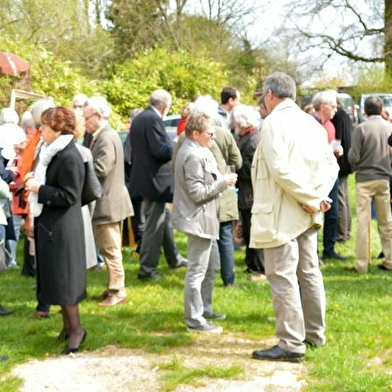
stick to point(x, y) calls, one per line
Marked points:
point(331, 222)
point(226, 252)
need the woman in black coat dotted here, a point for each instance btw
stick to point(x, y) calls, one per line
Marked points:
point(55, 201)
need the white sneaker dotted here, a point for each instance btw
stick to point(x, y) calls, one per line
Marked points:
point(208, 328)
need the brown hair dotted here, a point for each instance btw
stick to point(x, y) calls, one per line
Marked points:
point(60, 119)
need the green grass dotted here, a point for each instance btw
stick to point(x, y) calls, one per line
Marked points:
point(357, 357)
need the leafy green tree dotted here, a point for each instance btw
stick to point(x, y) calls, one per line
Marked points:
point(64, 29)
point(181, 73)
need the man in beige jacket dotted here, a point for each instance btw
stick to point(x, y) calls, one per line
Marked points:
point(293, 172)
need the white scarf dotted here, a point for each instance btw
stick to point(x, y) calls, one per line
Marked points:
point(48, 151)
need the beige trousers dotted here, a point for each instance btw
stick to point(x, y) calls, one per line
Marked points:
point(298, 292)
point(365, 192)
point(109, 238)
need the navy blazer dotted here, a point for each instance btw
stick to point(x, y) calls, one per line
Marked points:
point(152, 150)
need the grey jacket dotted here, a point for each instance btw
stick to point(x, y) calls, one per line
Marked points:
point(370, 155)
point(226, 152)
point(108, 156)
point(197, 186)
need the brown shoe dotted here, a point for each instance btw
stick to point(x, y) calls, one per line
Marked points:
point(112, 300)
point(39, 315)
point(102, 296)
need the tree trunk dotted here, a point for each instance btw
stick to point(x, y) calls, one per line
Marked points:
point(388, 37)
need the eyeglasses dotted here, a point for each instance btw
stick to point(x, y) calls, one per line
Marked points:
point(210, 134)
point(88, 118)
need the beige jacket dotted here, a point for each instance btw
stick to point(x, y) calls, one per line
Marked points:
point(293, 166)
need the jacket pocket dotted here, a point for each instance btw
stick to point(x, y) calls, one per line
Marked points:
point(44, 233)
point(264, 222)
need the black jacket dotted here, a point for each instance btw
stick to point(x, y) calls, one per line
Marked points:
point(344, 129)
point(152, 150)
point(247, 145)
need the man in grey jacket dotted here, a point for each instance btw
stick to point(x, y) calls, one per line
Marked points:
point(371, 157)
point(115, 204)
point(195, 212)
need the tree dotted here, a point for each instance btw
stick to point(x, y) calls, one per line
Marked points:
point(357, 30)
point(64, 29)
point(178, 72)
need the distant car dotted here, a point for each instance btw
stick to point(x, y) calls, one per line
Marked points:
point(385, 97)
point(170, 122)
point(349, 106)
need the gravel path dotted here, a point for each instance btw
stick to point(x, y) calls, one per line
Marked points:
point(122, 370)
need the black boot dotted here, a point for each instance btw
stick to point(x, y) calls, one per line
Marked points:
point(4, 312)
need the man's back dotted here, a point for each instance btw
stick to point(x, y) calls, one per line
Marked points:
point(108, 156)
point(370, 154)
point(152, 151)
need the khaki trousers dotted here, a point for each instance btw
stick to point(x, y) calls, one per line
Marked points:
point(298, 292)
point(109, 238)
point(365, 192)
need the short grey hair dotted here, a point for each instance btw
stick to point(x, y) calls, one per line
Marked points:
point(79, 99)
point(326, 97)
point(245, 116)
point(160, 99)
point(38, 107)
point(281, 85)
point(198, 121)
point(27, 120)
point(207, 105)
point(9, 116)
point(99, 105)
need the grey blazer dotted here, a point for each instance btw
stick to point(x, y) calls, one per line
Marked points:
point(108, 156)
point(196, 191)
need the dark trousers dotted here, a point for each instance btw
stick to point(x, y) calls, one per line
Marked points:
point(226, 252)
point(254, 258)
point(138, 221)
point(158, 233)
point(331, 221)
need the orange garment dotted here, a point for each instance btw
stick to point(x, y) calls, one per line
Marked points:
point(27, 165)
point(28, 156)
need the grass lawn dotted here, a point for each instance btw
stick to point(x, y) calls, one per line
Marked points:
point(357, 357)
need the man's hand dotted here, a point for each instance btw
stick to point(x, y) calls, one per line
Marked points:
point(325, 205)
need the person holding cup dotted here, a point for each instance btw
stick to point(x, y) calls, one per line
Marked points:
point(198, 184)
point(325, 105)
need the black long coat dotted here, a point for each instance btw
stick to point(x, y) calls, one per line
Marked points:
point(59, 233)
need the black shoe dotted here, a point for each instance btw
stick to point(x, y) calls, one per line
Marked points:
point(277, 354)
point(382, 267)
point(4, 358)
point(153, 276)
point(213, 315)
point(70, 350)
point(334, 255)
point(182, 263)
point(313, 344)
point(4, 312)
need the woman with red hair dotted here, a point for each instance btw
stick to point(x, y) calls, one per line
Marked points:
point(55, 202)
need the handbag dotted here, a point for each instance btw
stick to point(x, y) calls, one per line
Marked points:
point(92, 189)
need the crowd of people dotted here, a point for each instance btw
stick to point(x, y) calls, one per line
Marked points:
point(280, 170)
